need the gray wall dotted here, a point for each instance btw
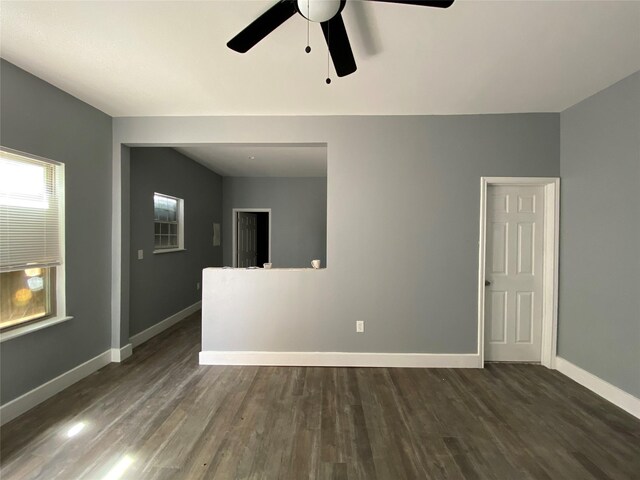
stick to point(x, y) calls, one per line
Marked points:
point(402, 199)
point(164, 284)
point(298, 216)
point(402, 215)
point(599, 317)
point(40, 119)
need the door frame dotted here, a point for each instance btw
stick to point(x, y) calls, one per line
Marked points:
point(551, 245)
point(234, 230)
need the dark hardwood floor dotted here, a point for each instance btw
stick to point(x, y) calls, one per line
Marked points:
point(159, 415)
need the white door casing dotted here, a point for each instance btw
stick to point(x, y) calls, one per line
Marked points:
point(513, 273)
point(247, 228)
point(550, 191)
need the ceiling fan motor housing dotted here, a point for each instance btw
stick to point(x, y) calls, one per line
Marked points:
point(319, 10)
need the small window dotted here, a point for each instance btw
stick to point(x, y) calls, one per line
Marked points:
point(26, 296)
point(31, 239)
point(168, 223)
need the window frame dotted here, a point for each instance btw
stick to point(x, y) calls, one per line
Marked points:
point(57, 291)
point(180, 223)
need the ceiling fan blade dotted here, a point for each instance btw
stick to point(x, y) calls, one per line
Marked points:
point(263, 26)
point(422, 3)
point(339, 47)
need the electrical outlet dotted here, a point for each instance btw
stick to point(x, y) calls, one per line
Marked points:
point(140, 254)
point(198, 286)
point(360, 326)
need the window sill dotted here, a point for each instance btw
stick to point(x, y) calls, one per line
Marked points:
point(33, 327)
point(169, 250)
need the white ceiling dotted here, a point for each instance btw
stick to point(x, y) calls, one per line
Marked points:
point(261, 160)
point(170, 58)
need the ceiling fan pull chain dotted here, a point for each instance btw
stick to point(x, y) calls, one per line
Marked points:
point(328, 80)
point(308, 47)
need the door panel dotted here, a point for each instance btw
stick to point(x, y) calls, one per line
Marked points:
point(247, 231)
point(527, 203)
point(499, 202)
point(497, 308)
point(526, 244)
point(498, 257)
point(524, 317)
point(513, 300)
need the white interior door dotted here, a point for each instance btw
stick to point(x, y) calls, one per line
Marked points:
point(513, 273)
point(247, 236)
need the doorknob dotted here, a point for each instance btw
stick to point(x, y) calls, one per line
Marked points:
point(487, 283)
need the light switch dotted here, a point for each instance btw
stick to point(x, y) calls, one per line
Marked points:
point(140, 254)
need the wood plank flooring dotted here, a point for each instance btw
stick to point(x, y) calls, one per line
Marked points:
point(159, 415)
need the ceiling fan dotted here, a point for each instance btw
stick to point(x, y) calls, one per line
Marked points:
point(325, 12)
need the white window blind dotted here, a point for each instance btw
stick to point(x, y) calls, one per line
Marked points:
point(31, 199)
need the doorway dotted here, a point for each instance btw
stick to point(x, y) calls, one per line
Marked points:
point(517, 282)
point(251, 237)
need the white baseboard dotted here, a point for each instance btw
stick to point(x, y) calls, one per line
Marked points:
point(140, 338)
point(18, 406)
point(615, 395)
point(341, 359)
point(120, 354)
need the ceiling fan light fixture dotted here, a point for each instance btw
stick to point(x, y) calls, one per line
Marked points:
point(319, 10)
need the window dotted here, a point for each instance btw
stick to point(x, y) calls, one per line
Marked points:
point(31, 239)
point(168, 223)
